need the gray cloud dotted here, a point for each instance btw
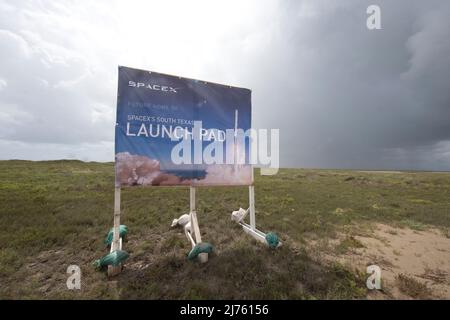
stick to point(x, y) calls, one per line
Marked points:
point(353, 98)
point(342, 95)
point(50, 92)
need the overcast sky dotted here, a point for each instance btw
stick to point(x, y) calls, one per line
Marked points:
point(342, 96)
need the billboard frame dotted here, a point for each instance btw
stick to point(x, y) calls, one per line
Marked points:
point(196, 238)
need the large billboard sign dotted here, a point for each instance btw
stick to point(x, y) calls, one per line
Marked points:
point(178, 131)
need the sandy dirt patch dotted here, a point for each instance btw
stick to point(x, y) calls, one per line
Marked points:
point(414, 264)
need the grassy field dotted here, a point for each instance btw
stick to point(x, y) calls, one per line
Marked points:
point(57, 213)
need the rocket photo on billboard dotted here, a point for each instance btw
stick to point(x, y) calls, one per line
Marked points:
point(178, 131)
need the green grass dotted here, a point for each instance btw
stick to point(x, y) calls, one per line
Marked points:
point(57, 213)
point(348, 243)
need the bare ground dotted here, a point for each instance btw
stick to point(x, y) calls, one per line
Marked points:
point(414, 264)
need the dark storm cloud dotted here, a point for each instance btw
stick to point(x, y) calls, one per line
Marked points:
point(355, 98)
point(342, 96)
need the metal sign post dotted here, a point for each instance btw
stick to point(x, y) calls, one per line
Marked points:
point(117, 240)
point(203, 257)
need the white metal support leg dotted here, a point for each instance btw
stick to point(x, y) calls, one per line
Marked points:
point(251, 228)
point(203, 257)
point(251, 195)
point(117, 241)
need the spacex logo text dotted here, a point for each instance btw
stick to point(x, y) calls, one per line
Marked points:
point(151, 86)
